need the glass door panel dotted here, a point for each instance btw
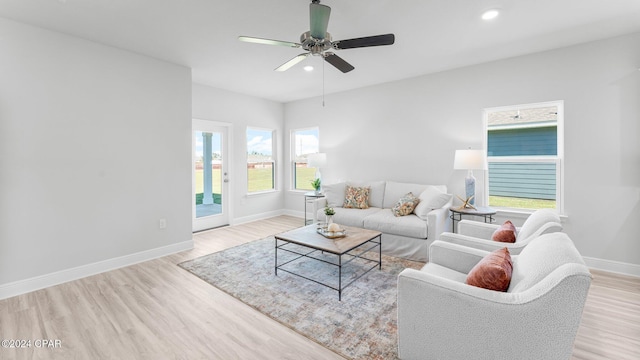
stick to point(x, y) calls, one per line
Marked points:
point(210, 175)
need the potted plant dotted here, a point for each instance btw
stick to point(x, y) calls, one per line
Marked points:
point(329, 212)
point(316, 185)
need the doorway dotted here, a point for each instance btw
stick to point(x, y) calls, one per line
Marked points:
point(210, 206)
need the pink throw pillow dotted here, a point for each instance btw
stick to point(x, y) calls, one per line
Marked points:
point(505, 233)
point(493, 272)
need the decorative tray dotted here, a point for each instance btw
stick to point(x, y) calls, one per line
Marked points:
point(331, 234)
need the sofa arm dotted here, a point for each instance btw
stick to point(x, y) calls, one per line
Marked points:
point(437, 222)
point(482, 244)
point(476, 229)
point(456, 257)
point(318, 205)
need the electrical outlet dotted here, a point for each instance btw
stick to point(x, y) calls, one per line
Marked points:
point(162, 224)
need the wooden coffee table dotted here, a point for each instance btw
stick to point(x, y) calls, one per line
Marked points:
point(309, 238)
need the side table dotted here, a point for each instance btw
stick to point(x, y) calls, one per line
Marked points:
point(312, 195)
point(457, 212)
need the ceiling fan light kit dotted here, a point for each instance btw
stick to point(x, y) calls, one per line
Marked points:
point(317, 41)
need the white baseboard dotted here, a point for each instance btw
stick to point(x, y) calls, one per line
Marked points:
point(294, 213)
point(613, 266)
point(256, 217)
point(59, 277)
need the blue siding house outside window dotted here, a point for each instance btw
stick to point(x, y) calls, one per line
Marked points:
point(523, 142)
point(520, 179)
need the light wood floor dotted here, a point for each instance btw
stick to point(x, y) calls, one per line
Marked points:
point(156, 310)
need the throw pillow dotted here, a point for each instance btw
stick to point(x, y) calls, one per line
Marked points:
point(356, 198)
point(431, 199)
point(405, 205)
point(493, 272)
point(505, 233)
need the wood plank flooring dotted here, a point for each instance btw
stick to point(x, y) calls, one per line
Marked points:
point(156, 310)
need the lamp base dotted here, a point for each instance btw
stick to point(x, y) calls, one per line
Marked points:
point(470, 188)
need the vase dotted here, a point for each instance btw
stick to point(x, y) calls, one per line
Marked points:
point(329, 219)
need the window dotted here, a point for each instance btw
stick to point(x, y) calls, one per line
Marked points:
point(260, 160)
point(524, 151)
point(303, 143)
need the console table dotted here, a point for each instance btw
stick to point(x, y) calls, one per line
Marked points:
point(457, 212)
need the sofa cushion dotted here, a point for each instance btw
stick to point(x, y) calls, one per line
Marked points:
point(352, 217)
point(395, 190)
point(493, 272)
point(405, 205)
point(430, 199)
point(356, 197)
point(505, 233)
point(385, 222)
point(334, 193)
point(376, 191)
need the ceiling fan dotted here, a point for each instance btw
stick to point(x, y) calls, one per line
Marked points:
point(317, 41)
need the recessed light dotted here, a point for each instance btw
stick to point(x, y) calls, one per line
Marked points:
point(490, 14)
point(308, 68)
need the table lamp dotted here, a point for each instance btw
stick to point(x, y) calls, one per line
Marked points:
point(470, 160)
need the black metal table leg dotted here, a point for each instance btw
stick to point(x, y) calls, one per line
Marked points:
point(340, 278)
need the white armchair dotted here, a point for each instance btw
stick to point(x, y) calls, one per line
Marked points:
point(441, 317)
point(478, 235)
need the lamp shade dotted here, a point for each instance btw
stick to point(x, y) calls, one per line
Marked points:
point(470, 160)
point(317, 160)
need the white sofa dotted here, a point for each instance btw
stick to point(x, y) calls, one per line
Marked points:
point(407, 236)
point(441, 317)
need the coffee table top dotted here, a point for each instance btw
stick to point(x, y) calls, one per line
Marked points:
point(308, 236)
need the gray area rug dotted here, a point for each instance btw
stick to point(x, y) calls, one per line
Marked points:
point(361, 326)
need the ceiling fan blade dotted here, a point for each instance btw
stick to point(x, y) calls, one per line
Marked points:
point(268, 41)
point(338, 62)
point(378, 40)
point(319, 15)
point(290, 63)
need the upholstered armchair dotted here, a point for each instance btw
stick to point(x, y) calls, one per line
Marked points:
point(478, 235)
point(441, 317)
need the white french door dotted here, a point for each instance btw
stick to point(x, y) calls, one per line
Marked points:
point(210, 204)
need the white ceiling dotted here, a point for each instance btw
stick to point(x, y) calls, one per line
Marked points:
point(431, 35)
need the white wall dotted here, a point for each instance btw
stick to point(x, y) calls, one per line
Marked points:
point(94, 150)
point(243, 111)
point(408, 131)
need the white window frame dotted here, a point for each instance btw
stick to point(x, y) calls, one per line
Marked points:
point(558, 159)
point(273, 160)
point(292, 141)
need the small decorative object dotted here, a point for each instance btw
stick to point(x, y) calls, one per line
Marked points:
point(329, 212)
point(466, 203)
point(332, 231)
point(316, 184)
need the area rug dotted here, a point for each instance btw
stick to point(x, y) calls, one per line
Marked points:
point(361, 326)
